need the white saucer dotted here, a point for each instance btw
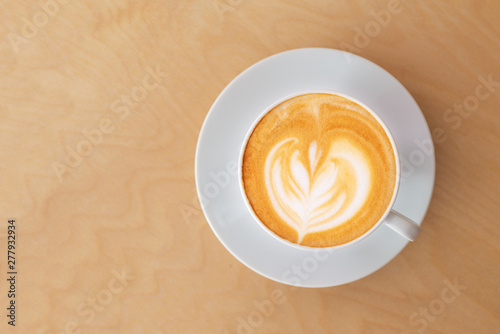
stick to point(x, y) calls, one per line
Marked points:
point(227, 123)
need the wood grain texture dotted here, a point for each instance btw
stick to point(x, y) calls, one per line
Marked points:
point(129, 206)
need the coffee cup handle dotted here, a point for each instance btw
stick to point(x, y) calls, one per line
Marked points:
point(402, 225)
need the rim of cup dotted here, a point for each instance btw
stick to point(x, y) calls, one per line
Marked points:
point(244, 145)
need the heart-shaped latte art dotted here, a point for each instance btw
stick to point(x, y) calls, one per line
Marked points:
point(321, 194)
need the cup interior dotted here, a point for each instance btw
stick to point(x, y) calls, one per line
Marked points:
point(379, 120)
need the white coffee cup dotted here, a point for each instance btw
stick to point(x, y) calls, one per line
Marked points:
point(404, 226)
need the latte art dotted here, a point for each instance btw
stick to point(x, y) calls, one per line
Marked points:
point(319, 170)
point(322, 196)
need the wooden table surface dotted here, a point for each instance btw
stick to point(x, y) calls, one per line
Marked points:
point(101, 103)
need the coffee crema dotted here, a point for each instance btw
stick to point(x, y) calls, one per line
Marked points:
point(319, 170)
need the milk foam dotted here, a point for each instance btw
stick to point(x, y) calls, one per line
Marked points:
point(314, 199)
point(319, 170)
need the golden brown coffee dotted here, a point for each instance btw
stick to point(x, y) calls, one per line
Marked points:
point(319, 170)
